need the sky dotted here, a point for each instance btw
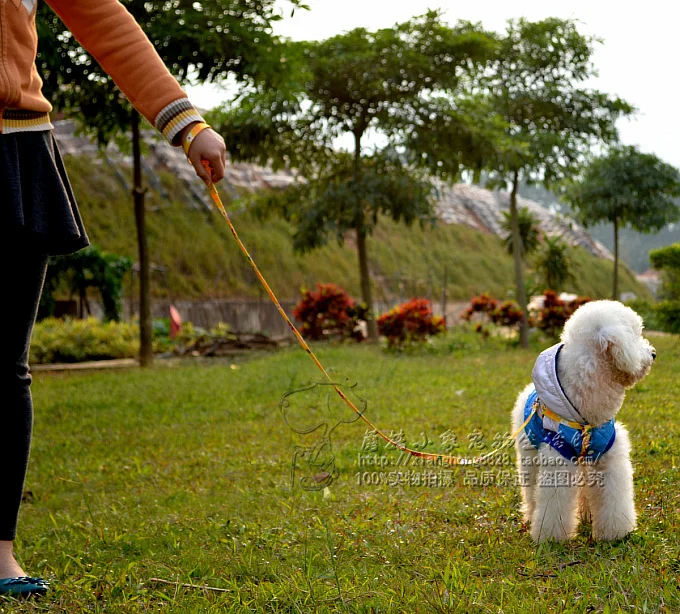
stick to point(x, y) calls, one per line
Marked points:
point(637, 61)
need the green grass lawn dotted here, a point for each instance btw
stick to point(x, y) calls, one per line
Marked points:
point(184, 474)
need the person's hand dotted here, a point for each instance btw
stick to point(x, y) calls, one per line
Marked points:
point(209, 146)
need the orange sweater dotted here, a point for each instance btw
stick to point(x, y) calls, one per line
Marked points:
point(108, 31)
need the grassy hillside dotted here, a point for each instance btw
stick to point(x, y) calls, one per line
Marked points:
point(201, 259)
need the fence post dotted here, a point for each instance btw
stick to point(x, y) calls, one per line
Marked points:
point(444, 284)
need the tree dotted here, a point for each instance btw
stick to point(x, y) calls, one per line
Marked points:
point(199, 42)
point(555, 264)
point(396, 82)
point(529, 231)
point(552, 121)
point(629, 189)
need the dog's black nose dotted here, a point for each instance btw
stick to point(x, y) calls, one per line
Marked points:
point(653, 355)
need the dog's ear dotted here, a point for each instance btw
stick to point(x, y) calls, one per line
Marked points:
point(617, 341)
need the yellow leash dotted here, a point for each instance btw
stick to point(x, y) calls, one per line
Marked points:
point(442, 459)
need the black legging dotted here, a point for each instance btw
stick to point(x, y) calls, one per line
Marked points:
point(23, 270)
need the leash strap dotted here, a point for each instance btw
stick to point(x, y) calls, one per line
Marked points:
point(584, 428)
point(443, 459)
point(557, 418)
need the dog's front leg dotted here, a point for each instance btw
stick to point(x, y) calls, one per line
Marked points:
point(556, 512)
point(609, 491)
point(583, 508)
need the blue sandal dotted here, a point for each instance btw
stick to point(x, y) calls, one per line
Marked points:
point(23, 587)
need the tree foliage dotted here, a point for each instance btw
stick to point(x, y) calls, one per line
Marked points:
point(536, 86)
point(629, 189)
point(335, 200)
point(635, 188)
point(396, 82)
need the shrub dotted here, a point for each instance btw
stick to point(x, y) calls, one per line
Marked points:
point(410, 322)
point(667, 260)
point(555, 312)
point(88, 268)
point(663, 316)
point(483, 304)
point(329, 312)
point(81, 340)
point(555, 263)
point(507, 313)
point(668, 316)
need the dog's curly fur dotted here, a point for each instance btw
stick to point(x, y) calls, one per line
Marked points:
point(604, 354)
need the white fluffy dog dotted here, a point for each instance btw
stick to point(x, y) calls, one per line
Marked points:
point(573, 460)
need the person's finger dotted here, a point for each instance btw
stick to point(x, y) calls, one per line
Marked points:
point(219, 162)
point(208, 146)
point(217, 165)
point(201, 171)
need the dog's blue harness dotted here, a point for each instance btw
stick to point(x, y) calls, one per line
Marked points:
point(554, 416)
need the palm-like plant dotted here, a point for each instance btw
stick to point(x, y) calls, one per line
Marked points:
point(555, 264)
point(529, 231)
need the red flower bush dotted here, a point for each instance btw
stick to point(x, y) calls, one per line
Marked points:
point(490, 309)
point(410, 322)
point(507, 313)
point(555, 312)
point(328, 312)
point(483, 304)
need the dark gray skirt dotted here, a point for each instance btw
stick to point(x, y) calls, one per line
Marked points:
point(36, 199)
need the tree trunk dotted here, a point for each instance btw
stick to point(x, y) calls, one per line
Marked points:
point(444, 286)
point(366, 293)
point(364, 274)
point(138, 192)
point(517, 251)
point(615, 290)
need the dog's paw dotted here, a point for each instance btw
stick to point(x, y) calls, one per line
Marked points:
point(555, 533)
point(612, 532)
point(584, 515)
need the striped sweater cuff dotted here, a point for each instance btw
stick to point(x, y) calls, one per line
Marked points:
point(19, 120)
point(176, 116)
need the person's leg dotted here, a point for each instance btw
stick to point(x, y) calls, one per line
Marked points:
point(23, 272)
